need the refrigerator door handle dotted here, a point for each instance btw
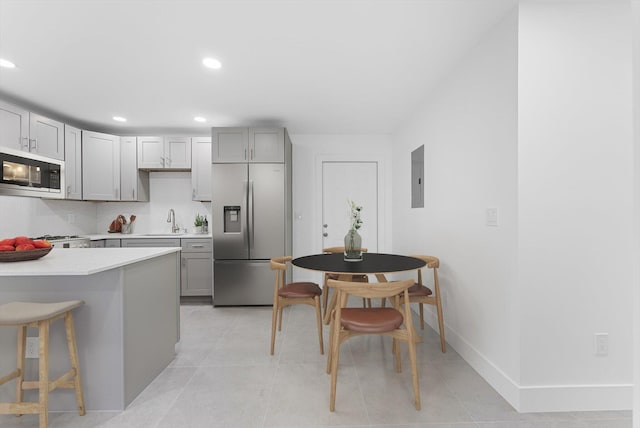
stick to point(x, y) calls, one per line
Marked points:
point(250, 213)
point(245, 217)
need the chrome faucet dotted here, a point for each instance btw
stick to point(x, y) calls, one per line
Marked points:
point(172, 219)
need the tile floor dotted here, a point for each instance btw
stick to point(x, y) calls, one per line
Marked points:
point(223, 376)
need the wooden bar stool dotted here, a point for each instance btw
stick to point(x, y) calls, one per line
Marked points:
point(40, 315)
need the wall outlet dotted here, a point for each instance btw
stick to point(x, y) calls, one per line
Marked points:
point(33, 344)
point(602, 344)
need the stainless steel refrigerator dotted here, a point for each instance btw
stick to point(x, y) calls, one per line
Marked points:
point(251, 224)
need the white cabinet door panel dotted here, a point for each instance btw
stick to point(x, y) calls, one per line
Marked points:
point(73, 162)
point(201, 168)
point(101, 166)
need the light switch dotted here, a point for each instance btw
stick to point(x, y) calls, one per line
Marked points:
point(492, 216)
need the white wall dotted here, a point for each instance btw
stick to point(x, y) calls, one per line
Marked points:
point(468, 127)
point(307, 220)
point(35, 217)
point(167, 190)
point(636, 114)
point(535, 121)
point(575, 204)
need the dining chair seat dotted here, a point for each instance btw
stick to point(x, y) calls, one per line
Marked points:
point(300, 289)
point(419, 290)
point(371, 320)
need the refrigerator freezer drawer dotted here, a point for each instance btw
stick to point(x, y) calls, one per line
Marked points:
point(242, 283)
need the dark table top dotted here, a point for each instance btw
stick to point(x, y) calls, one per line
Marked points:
point(372, 263)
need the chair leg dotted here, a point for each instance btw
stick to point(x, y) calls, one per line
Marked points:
point(330, 351)
point(280, 319)
point(332, 305)
point(414, 371)
point(43, 373)
point(75, 365)
point(421, 316)
point(274, 320)
point(335, 357)
point(22, 346)
point(325, 299)
point(443, 344)
point(319, 319)
point(396, 354)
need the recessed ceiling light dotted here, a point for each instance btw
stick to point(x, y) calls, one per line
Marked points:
point(6, 64)
point(199, 119)
point(211, 63)
point(119, 119)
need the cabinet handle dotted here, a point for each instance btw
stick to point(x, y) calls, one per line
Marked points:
point(117, 191)
point(162, 160)
point(184, 262)
point(32, 147)
point(168, 161)
point(251, 154)
point(133, 193)
point(26, 143)
point(193, 194)
point(245, 154)
point(197, 246)
point(68, 190)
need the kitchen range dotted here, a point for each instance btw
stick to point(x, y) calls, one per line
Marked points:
point(66, 241)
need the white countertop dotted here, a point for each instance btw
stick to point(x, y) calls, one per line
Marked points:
point(82, 261)
point(97, 237)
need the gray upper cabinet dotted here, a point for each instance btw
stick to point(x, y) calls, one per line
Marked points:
point(164, 153)
point(266, 145)
point(253, 145)
point(230, 145)
point(100, 166)
point(46, 136)
point(201, 168)
point(22, 130)
point(73, 162)
point(134, 183)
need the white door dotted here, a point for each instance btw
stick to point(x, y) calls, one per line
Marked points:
point(343, 182)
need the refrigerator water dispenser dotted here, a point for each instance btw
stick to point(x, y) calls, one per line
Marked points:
point(232, 219)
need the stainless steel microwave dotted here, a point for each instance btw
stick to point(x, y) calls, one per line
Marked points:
point(29, 174)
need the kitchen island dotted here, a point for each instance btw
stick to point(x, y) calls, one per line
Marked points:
point(126, 331)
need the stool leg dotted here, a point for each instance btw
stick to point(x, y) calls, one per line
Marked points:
point(43, 373)
point(22, 346)
point(73, 355)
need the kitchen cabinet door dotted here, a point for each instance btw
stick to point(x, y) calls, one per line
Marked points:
point(14, 127)
point(134, 183)
point(201, 168)
point(230, 145)
point(150, 242)
point(46, 136)
point(177, 153)
point(197, 274)
point(266, 145)
point(101, 166)
point(150, 152)
point(73, 162)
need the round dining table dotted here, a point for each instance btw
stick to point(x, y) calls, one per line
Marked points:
point(377, 264)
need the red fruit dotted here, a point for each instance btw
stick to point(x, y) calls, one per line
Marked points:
point(42, 243)
point(7, 248)
point(25, 247)
point(9, 241)
point(23, 240)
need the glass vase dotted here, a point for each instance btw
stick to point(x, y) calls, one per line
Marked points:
point(353, 246)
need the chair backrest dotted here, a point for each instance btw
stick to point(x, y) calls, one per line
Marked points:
point(333, 250)
point(371, 290)
point(432, 263)
point(279, 264)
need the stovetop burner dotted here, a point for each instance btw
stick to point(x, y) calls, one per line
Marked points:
point(57, 237)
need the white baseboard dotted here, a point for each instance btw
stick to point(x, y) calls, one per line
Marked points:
point(537, 398)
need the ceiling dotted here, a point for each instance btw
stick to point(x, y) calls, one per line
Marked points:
point(315, 67)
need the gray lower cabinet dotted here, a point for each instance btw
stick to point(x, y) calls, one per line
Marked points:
point(97, 244)
point(197, 267)
point(112, 243)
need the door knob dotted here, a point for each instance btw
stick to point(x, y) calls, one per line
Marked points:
point(325, 234)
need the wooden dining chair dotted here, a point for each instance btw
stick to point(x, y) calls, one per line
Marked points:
point(293, 293)
point(388, 321)
point(335, 277)
point(421, 294)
